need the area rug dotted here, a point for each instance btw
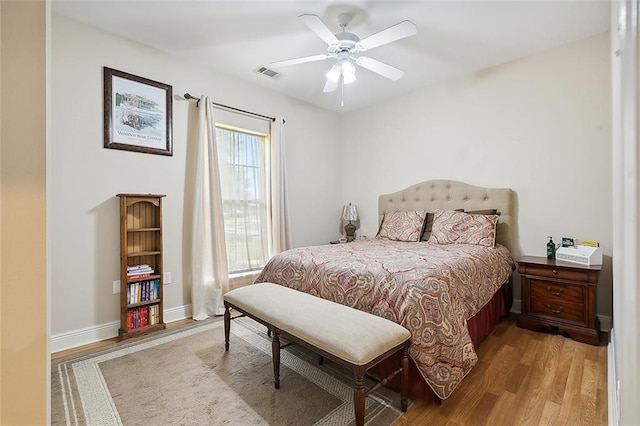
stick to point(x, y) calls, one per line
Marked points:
point(185, 377)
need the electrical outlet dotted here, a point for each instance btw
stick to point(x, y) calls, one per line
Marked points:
point(116, 287)
point(167, 278)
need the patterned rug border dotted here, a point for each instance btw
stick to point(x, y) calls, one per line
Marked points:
point(99, 408)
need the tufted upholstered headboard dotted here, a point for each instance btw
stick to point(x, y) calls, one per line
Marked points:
point(450, 195)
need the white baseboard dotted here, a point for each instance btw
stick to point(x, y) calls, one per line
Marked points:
point(176, 314)
point(85, 336)
point(605, 321)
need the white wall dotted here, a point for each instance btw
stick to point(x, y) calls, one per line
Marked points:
point(540, 125)
point(85, 177)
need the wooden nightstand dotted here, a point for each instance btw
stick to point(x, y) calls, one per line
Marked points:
point(560, 296)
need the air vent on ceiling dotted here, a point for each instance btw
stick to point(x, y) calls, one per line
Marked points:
point(268, 72)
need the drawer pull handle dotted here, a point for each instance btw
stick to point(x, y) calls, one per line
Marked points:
point(555, 293)
point(559, 311)
point(555, 271)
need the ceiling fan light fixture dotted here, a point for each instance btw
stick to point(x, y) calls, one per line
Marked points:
point(349, 78)
point(334, 73)
point(348, 72)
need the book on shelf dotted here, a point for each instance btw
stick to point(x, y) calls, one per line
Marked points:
point(152, 318)
point(140, 271)
point(143, 316)
point(135, 267)
point(138, 276)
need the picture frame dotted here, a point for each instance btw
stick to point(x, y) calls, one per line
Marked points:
point(137, 113)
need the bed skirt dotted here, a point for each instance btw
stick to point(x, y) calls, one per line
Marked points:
point(479, 326)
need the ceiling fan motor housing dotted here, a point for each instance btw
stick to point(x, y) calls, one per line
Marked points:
point(346, 43)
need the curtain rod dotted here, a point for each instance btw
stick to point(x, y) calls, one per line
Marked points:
point(188, 96)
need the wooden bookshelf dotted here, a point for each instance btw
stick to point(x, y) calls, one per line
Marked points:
point(141, 307)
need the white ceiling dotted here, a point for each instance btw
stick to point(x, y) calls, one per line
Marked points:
point(236, 37)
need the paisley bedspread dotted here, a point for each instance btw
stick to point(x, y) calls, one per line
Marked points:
point(430, 289)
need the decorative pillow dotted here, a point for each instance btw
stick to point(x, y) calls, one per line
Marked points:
point(428, 224)
point(402, 226)
point(451, 227)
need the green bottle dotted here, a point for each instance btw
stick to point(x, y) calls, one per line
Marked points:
point(551, 249)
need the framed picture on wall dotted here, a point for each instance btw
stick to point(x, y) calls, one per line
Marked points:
point(137, 113)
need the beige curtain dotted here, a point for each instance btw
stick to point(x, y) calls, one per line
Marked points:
point(210, 279)
point(280, 231)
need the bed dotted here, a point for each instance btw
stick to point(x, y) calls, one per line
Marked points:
point(449, 284)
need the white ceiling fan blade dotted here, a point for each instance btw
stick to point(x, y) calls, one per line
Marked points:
point(317, 26)
point(396, 32)
point(296, 61)
point(392, 73)
point(330, 86)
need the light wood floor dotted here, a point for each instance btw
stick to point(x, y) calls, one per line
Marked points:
point(525, 378)
point(522, 378)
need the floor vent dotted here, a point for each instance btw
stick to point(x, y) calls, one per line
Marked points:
point(268, 72)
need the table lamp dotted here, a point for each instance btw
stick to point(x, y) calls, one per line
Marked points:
point(350, 221)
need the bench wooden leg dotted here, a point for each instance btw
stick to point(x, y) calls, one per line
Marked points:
point(275, 349)
point(227, 326)
point(358, 397)
point(404, 379)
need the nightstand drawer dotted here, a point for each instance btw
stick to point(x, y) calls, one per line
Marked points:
point(558, 309)
point(556, 293)
point(558, 301)
point(579, 275)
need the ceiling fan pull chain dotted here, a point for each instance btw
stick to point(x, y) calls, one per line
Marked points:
point(342, 94)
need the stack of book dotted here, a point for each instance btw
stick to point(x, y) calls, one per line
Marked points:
point(138, 271)
point(154, 314)
point(143, 316)
point(143, 291)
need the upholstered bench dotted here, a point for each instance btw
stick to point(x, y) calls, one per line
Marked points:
point(350, 337)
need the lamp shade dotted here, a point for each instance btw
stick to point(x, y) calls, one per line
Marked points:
point(334, 73)
point(348, 73)
point(350, 213)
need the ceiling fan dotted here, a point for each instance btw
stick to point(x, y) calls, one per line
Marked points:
point(345, 48)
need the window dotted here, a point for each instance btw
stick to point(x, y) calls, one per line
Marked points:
point(242, 155)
